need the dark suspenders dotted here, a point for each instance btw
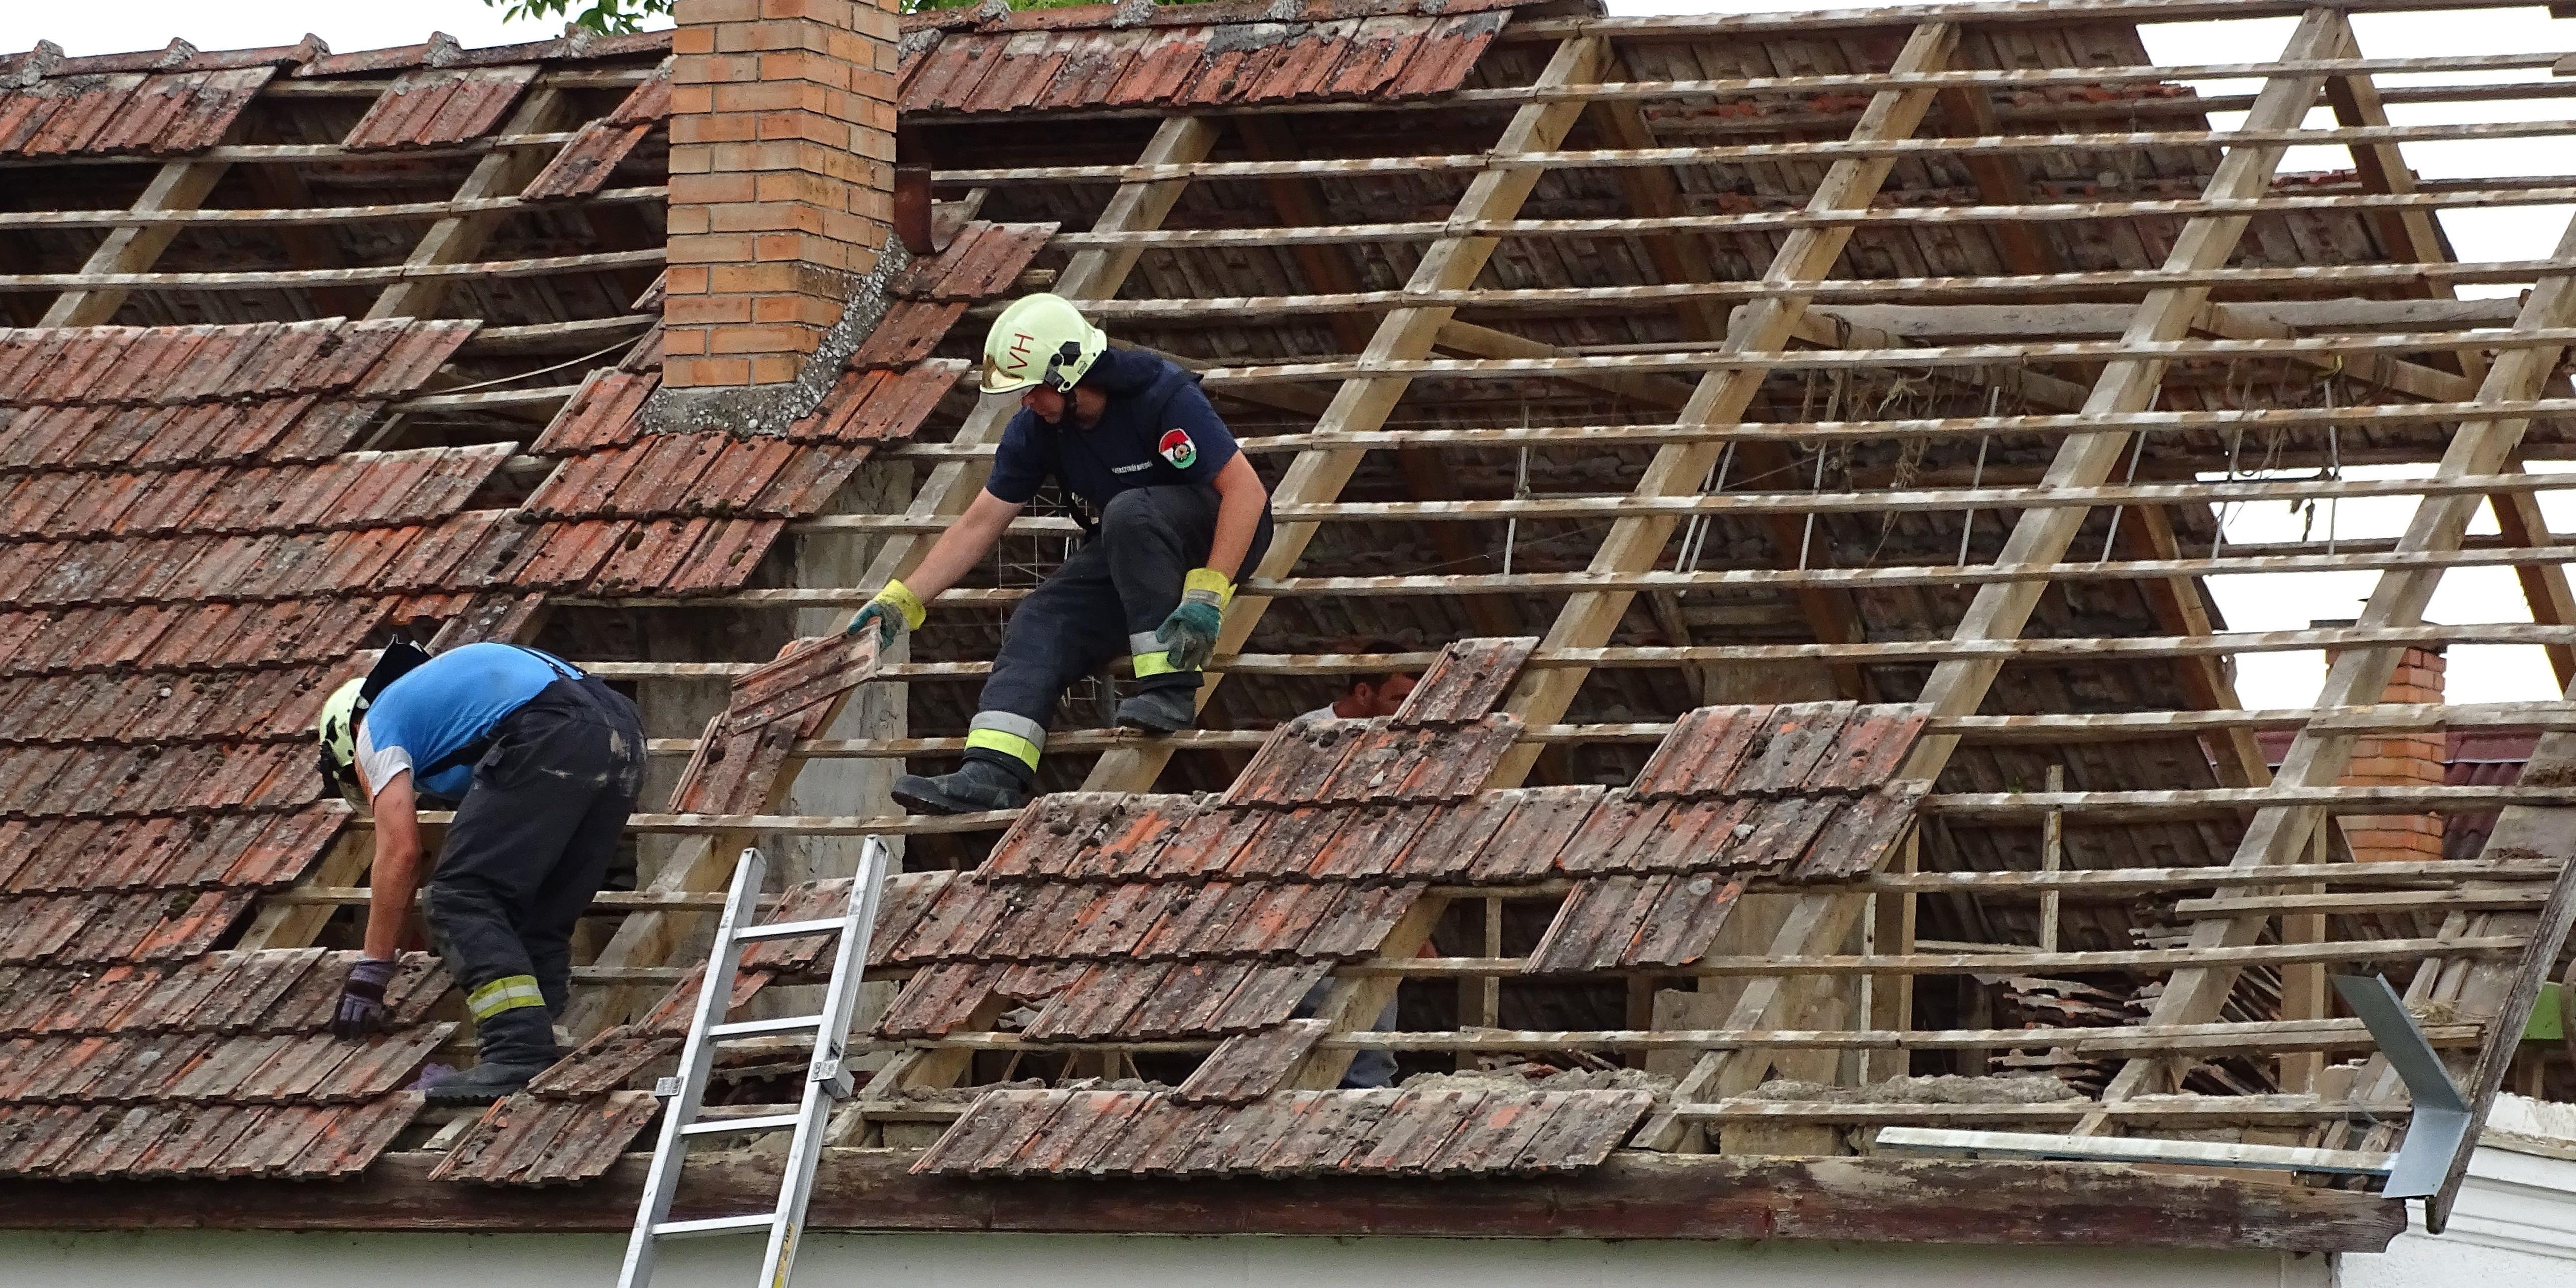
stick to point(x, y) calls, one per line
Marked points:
point(473, 751)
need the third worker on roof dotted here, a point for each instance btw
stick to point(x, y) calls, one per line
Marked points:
point(1171, 512)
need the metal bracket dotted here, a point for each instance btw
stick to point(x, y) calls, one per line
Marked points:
point(834, 1074)
point(2441, 1118)
point(665, 1088)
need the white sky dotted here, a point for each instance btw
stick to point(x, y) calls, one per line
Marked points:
point(2250, 603)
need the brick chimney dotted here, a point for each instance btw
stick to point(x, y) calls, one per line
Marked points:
point(2414, 760)
point(782, 182)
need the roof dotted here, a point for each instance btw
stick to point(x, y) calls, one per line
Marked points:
point(1650, 862)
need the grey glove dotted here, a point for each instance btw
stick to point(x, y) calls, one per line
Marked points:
point(362, 1007)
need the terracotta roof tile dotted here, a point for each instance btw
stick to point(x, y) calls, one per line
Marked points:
point(153, 114)
point(1251, 1065)
point(530, 1140)
point(1290, 1133)
point(429, 106)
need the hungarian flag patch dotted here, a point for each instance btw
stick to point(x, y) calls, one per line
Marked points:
point(1177, 448)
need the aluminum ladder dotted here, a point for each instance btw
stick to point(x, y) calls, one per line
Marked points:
point(827, 1082)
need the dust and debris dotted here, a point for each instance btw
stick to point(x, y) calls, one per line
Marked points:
point(769, 410)
point(32, 67)
point(1134, 13)
point(917, 42)
point(1936, 1089)
point(1145, 1085)
point(961, 1095)
point(1237, 37)
point(2434, 1010)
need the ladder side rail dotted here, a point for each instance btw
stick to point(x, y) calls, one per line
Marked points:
point(827, 1081)
point(662, 1183)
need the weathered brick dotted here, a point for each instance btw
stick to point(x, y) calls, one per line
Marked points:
point(787, 195)
point(706, 189)
point(707, 310)
point(704, 372)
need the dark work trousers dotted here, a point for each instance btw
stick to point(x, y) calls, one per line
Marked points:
point(1105, 602)
point(1370, 1066)
point(532, 842)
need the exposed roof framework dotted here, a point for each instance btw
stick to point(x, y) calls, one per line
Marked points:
point(1793, 447)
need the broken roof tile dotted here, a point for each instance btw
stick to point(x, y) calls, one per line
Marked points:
point(1251, 1065)
point(155, 114)
point(1609, 922)
point(1298, 758)
point(1465, 682)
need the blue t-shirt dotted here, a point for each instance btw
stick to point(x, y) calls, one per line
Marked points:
point(1158, 430)
point(444, 705)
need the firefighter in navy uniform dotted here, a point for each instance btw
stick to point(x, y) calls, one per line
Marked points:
point(1173, 513)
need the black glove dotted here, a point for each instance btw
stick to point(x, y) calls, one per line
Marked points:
point(362, 999)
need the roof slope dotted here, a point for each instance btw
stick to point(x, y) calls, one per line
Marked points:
point(1686, 426)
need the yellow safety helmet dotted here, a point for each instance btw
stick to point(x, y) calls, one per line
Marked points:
point(1040, 340)
point(338, 732)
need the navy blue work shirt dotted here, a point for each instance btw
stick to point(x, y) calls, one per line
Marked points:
point(1158, 430)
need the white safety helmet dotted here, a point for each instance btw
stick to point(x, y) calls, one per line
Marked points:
point(1040, 340)
point(338, 733)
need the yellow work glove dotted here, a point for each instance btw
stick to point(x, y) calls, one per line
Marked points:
point(895, 610)
point(1188, 636)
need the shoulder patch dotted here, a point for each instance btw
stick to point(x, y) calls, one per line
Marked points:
point(1177, 448)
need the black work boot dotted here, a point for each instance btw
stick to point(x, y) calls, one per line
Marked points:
point(1165, 710)
point(515, 1045)
point(977, 785)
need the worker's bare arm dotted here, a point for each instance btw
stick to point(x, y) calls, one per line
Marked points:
point(962, 546)
point(395, 877)
point(1240, 498)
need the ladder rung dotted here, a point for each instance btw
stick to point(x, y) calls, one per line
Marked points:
point(787, 930)
point(761, 1028)
point(714, 1225)
point(765, 1122)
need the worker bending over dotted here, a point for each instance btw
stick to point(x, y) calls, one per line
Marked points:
point(541, 764)
point(1171, 513)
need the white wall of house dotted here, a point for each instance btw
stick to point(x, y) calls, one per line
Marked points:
point(2514, 1225)
point(226, 1260)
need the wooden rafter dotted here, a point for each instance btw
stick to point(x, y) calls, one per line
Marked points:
point(454, 239)
point(2418, 234)
point(179, 185)
point(2040, 538)
point(1300, 204)
point(2317, 757)
point(1682, 257)
point(1362, 402)
point(1635, 544)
